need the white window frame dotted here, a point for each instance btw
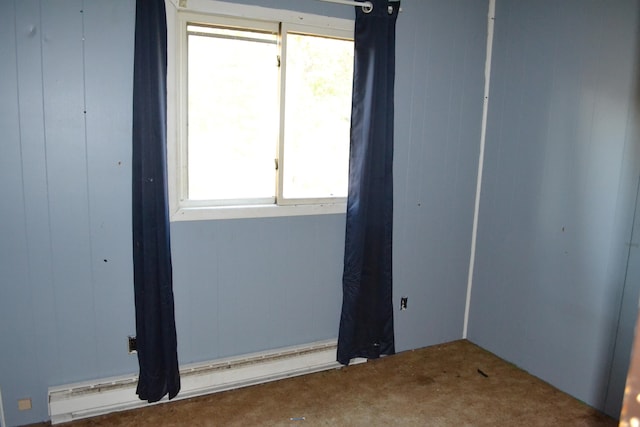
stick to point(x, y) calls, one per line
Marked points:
point(179, 12)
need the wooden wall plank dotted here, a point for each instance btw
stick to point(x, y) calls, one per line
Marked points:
point(34, 163)
point(15, 290)
point(108, 61)
point(66, 160)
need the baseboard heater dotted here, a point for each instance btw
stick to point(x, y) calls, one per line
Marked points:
point(82, 400)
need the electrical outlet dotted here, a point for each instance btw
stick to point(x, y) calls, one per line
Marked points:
point(24, 404)
point(403, 303)
point(133, 345)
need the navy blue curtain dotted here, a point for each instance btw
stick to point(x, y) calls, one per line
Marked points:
point(155, 320)
point(366, 322)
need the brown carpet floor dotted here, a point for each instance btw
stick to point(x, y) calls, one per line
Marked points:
point(453, 384)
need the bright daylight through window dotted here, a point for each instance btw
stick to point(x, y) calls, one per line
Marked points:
point(266, 114)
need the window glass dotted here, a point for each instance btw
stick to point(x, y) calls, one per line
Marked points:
point(317, 119)
point(232, 114)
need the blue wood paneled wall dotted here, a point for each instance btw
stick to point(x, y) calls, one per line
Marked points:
point(66, 295)
point(561, 169)
point(556, 202)
point(66, 300)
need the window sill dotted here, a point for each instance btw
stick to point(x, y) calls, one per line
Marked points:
point(189, 213)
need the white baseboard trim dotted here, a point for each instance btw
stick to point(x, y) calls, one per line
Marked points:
point(88, 399)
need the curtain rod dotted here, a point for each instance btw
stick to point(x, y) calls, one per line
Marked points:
point(367, 6)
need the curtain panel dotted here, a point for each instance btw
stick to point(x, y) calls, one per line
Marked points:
point(366, 322)
point(153, 288)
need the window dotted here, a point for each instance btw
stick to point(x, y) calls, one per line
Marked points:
point(263, 118)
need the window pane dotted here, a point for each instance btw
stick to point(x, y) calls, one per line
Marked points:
point(232, 113)
point(317, 117)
